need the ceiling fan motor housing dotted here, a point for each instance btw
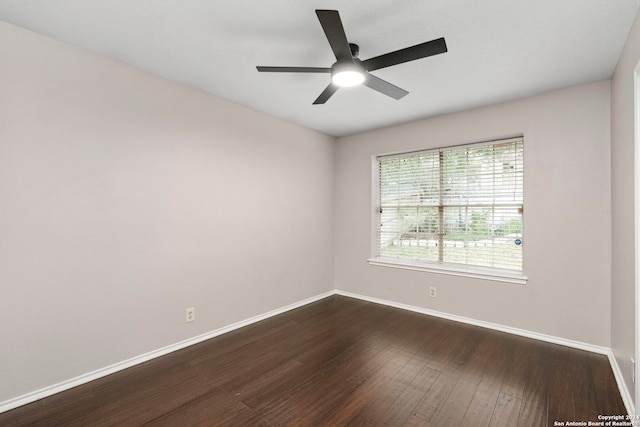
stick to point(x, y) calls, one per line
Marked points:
point(355, 49)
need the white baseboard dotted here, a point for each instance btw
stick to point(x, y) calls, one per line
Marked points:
point(624, 392)
point(85, 378)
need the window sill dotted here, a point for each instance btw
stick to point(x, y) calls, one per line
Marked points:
point(474, 272)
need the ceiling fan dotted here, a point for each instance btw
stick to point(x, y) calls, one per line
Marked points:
point(349, 70)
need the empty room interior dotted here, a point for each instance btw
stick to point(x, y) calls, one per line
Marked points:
point(200, 224)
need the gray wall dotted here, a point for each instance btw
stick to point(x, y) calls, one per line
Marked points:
point(623, 254)
point(126, 199)
point(566, 217)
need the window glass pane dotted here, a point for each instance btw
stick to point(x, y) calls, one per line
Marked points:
point(410, 180)
point(409, 233)
point(507, 229)
point(461, 205)
point(483, 236)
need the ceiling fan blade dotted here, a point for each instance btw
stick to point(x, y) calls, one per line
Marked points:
point(384, 87)
point(293, 69)
point(333, 29)
point(326, 94)
point(422, 50)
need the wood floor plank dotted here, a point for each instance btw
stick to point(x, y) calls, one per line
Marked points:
point(518, 368)
point(435, 397)
point(341, 361)
point(607, 395)
point(506, 412)
point(370, 401)
point(560, 403)
point(216, 405)
point(480, 409)
point(497, 359)
point(320, 405)
point(75, 407)
point(540, 358)
point(405, 364)
point(355, 403)
point(140, 399)
point(533, 412)
point(414, 421)
point(452, 410)
point(482, 358)
point(403, 407)
point(343, 367)
point(262, 380)
point(582, 388)
point(409, 347)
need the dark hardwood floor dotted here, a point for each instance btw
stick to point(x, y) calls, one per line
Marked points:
point(341, 361)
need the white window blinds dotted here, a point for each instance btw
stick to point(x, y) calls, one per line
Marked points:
point(460, 205)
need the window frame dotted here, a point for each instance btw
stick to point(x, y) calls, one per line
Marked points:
point(454, 269)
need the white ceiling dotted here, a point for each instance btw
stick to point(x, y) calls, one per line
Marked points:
point(498, 49)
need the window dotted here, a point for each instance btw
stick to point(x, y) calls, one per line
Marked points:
point(455, 210)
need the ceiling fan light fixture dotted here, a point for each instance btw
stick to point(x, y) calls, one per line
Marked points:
point(347, 75)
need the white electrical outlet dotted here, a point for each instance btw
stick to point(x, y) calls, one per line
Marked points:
point(432, 292)
point(190, 315)
point(633, 370)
